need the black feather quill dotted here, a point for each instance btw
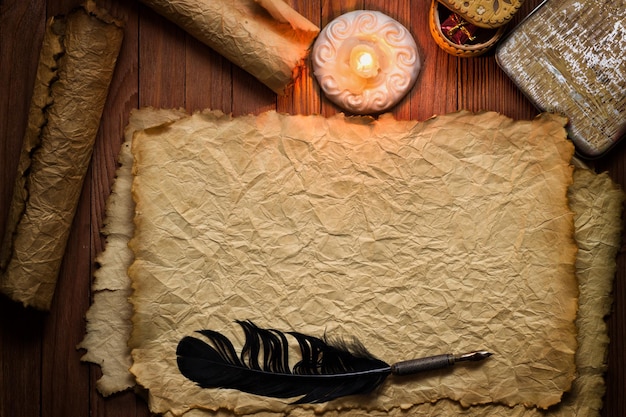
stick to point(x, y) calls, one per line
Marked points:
point(327, 370)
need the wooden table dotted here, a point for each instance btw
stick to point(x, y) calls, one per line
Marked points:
point(161, 66)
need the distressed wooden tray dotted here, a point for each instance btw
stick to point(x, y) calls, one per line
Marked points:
point(568, 57)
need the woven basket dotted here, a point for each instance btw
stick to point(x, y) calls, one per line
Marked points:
point(485, 38)
point(485, 13)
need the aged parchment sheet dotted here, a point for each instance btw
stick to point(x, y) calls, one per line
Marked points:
point(109, 318)
point(418, 238)
point(76, 65)
point(267, 38)
point(597, 204)
point(595, 200)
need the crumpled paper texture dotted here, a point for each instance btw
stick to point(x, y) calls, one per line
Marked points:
point(453, 234)
point(595, 200)
point(76, 65)
point(597, 203)
point(266, 38)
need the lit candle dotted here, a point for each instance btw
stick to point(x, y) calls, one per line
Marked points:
point(365, 61)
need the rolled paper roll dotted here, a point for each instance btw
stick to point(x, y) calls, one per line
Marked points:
point(75, 68)
point(266, 38)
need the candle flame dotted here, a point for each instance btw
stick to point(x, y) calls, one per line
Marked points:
point(365, 61)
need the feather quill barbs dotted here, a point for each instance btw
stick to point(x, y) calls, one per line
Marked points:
point(325, 371)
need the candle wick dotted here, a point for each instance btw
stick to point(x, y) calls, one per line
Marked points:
point(364, 62)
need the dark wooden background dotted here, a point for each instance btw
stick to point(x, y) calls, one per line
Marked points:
point(160, 65)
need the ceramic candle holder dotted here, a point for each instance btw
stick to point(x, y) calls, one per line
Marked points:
point(365, 61)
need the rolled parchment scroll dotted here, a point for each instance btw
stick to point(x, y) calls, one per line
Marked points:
point(76, 65)
point(266, 38)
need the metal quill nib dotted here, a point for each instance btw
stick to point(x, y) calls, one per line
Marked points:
point(478, 355)
point(430, 363)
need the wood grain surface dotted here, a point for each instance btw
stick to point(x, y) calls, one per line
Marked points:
point(161, 66)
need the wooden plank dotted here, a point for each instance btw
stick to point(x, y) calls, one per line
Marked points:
point(161, 52)
point(123, 404)
point(614, 401)
point(436, 89)
point(64, 379)
point(483, 86)
point(20, 359)
point(61, 7)
point(207, 78)
point(21, 33)
point(123, 96)
point(24, 24)
point(332, 9)
point(249, 96)
point(304, 95)
point(614, 163)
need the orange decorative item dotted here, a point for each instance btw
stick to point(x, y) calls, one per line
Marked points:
point(458, 36)
point(485, 13)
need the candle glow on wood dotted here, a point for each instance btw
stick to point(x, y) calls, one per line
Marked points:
point(365, 61)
